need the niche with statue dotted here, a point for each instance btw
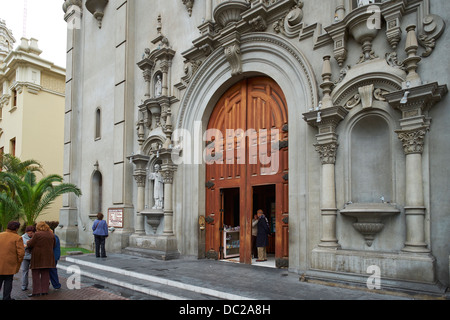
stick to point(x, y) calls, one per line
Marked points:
point(154, 207)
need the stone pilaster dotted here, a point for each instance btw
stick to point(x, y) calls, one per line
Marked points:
point(140, 175)
point(326, 120)
point(414, 103)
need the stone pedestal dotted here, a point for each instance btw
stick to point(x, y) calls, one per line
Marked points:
point(153, 246)
point(398, 271)
point(68, 229)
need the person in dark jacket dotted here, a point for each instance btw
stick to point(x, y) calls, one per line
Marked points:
point(100, 229)
point(262, 239)
point(54, 278)
point(42, 258)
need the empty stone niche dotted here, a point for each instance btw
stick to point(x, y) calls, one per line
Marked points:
point(371, 179)
point(371, 161)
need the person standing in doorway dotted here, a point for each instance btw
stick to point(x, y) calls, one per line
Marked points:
point(254, 236)
point(100, 229)
point(42, 258)
point(262, 239)
point(25, 267)
point(12, 252)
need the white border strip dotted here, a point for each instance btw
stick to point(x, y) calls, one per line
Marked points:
point(170, 283)
point(127, 285)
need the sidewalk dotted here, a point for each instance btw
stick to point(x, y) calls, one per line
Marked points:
point(88, 291)
point(183, 279)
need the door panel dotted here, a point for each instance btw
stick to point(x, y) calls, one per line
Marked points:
point(245, 124)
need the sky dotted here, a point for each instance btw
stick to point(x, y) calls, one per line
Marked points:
point(45, 22)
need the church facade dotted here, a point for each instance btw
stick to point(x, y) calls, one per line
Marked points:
point(183, 118)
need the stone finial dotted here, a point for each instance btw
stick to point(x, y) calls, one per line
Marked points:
point(413, 59)
point(327, 84)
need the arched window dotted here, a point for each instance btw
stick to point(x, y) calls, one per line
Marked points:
point(96, 193)
point(98, 121)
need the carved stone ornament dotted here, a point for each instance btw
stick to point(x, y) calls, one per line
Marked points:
point(413, 141)
point(233, 56)
point(258, 23)
point(229, 12)
point(97, 8)
point(327, 152)
point(433, 27)
point(365, 96)
point(68, 3)
point(189, 5)
point(290, 25)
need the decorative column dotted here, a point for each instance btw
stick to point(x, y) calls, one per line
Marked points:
point(326, 118)
point(327, 152)
point(414, 101)
point(413, 142)
point(140, 175)
point(414, 125)
point(147, 65)
point(326, 121)
point(168, 172)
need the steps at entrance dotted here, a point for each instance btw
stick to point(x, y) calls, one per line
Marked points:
point(144, 283)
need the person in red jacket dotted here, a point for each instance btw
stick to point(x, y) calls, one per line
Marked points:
point(12, 252)
point(42, 258)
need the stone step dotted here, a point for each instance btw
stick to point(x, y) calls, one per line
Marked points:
point(144, 283)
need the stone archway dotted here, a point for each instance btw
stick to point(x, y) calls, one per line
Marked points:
point(261, 54)
point(247, 150)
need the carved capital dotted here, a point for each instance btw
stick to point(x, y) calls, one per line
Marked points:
point(168, 176)
point(140, 180)
point(327, 152)
point(413, 140)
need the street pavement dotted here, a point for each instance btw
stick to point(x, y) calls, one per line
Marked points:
point(126, 277)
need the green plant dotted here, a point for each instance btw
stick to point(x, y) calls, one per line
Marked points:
point(32, 196)
point(12, 164)
point(9, 208)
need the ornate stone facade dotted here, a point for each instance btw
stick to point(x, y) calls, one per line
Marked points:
point(366, 179)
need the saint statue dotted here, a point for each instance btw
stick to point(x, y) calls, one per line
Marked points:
point(158, 188)
point(158, 86)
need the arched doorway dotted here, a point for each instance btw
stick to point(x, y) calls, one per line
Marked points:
point(247, 169)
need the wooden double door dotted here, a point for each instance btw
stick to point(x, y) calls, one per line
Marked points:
point(247, 166)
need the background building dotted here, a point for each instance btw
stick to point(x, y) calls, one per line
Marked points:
point(31, 107)
point(346, 91)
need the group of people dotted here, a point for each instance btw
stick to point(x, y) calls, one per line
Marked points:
point(260, 236)
point(37, 249)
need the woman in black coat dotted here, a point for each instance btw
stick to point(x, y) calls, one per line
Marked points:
point(262, 239)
